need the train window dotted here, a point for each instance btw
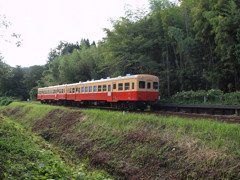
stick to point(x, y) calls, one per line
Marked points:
point(48, 91)
point(149, 85)
point(99, 88)
point(79, 90)
point(70, 91)
point(114, 86)
point(155, 85)
point(73, 90)
point(82, 89)
point(120, 86)
point(86, 89)
point(109, 87)
point(142, 84)
point(132, 85)
point(76, 90)
point(104, 88)
point(95, 88)
point(90, 88)
point(127, 86)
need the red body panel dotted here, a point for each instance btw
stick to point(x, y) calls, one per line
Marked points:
point(104, 96)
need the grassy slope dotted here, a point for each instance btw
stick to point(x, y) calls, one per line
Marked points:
point(138, 146)
point(26, 156)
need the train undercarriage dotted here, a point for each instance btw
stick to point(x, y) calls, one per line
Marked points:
point(122, 105)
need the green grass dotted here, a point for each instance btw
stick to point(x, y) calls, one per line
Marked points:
point(214, 134)
point(187, 146)
point(22, 156)
point(211, 133)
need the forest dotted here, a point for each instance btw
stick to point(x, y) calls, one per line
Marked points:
point(193, 45)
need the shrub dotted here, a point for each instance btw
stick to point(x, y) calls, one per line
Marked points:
point(4, 101)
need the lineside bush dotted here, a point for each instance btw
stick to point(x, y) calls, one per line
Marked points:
point(4, 101)
point(212, 96)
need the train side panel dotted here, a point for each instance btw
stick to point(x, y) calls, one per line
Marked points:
point(142, 88)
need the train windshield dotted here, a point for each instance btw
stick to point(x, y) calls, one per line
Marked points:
point(142, 84)
point(155, 85)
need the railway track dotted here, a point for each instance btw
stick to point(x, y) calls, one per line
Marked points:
point(231, 119)
point(228, 118)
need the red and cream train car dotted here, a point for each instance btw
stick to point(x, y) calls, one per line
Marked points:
point(125, 92)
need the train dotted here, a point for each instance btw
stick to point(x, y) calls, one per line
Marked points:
point(128, 92)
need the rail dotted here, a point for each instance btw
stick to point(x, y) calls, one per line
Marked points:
point(200, 109)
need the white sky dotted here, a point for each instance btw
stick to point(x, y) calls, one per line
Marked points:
point(44, 23)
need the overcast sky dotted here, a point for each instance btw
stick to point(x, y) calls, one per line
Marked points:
point(44, 23)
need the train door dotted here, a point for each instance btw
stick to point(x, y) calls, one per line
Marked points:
point(114, 91)
point(109, 92)
point(56, 93)
point(149, 87)
point(74, 93)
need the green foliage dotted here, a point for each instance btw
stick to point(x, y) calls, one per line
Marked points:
point(74, 64)
point(212, 96)
point(136, 139)
point(33, 93)
point(191, 45)
point(4, 101)
point(22, 157)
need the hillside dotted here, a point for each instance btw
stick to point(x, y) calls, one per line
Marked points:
point(136, 146)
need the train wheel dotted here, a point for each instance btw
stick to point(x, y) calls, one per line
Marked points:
point(132, 106)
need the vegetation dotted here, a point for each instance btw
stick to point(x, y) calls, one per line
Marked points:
point(4, 101)
point(137, 146)
point(193, 45)
point(26, 156)
point(211, 96)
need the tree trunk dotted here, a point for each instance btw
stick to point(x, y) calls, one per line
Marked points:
point(168, 76)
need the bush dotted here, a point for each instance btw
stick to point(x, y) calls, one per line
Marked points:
point(4, 101)
point(33, 93)
point(212, 96)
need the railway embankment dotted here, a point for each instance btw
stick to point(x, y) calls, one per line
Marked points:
point(136, 146)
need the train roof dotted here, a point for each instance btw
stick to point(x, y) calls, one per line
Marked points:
point(128, 76)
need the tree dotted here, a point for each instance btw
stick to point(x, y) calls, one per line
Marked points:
point(31, 79)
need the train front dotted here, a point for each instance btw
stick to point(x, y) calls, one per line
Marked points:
point(148, 88)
